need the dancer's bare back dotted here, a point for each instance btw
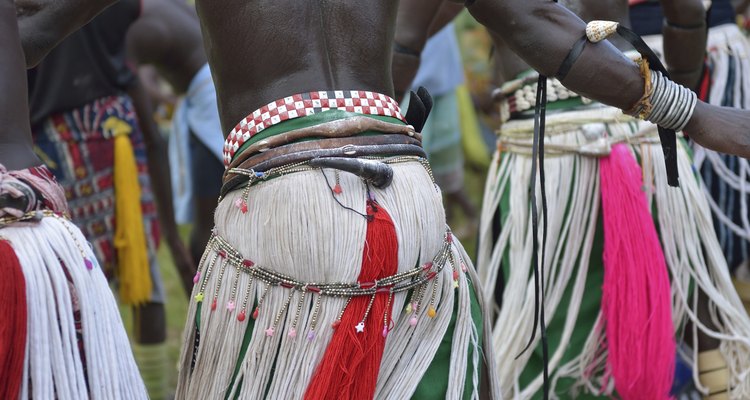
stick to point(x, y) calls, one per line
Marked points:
point(261, 51)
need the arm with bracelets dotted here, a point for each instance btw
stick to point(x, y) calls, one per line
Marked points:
point(543, 33)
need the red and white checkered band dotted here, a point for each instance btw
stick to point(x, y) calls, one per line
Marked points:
point(300, 105)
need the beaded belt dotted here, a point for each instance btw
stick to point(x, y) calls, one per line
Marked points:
point(304, 104)
point(251, 177)
point(417, 279)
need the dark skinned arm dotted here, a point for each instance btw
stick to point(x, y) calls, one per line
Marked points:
point(414, 25)
point(16, 145)
point(412, 30)
point(45, 23)
point(685, 35)
point(447, 13)
point(158, 168)
point(542, 33)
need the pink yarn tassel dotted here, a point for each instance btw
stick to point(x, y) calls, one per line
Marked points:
point(636, 303)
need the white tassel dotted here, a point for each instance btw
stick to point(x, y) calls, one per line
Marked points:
point(53, 367)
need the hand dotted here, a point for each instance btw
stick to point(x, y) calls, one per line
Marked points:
point(722, 129)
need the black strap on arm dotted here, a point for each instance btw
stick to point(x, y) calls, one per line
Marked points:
point(667, 137)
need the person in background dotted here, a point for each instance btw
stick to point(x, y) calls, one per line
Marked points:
point(92, 126)
point(167, 36)
point(61, 336)
point(441, 73)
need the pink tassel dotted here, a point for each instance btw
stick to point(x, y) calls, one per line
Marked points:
point(636, 303)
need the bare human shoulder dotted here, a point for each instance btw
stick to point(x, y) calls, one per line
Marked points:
point(45, 23)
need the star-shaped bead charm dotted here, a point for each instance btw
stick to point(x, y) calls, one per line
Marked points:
point(269, 331)
point(360, 327)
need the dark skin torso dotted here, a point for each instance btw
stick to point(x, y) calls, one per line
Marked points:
point(263, 51)
point(168, 36)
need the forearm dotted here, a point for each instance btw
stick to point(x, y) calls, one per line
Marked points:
point(447, 13)
point(45, 23)
point(412, 30)
point(542, 33)
point(685, 37)
point(156, 155)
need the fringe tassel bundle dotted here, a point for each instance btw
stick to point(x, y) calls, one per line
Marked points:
point(68, 299)
point(297, 225)
point(130, 239)
point(636, 303)
point(13, 329)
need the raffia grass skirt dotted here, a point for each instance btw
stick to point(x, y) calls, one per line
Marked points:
point(296, 226)
point(574, 265)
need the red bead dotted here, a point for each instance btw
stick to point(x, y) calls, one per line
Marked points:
point(241, 316)
point(243, 207)
point(313, 289)
point(335, 324)
point(222, 254)
point(337, 189)
point(213, 305)
point(427, 266)
point(248, 263)
point(286, 285)
point(455, 275)
point(255, 313)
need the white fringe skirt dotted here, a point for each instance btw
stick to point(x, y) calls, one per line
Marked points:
point(573, 267)
point(296, 226)
point(64, 288)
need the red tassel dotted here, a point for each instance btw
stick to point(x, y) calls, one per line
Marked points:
point(13, 328)
point(349, 368)
point(636, 301)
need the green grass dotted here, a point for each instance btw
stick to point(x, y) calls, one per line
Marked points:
point(176, 309)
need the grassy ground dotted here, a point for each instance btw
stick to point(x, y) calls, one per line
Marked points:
point(176, 305)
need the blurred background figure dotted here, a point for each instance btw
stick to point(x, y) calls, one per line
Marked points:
point(441, 73)
point(167, 36)
point(723, 79)
point(61, 335)
point(92, 126)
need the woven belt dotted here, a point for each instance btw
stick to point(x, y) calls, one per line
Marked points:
point(342, 128)
point(304, 104)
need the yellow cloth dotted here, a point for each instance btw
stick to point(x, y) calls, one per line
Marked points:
point(471, 136)
point(130, 239)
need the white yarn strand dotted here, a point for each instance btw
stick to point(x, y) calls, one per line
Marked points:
point(295, 226)
point(53, 368)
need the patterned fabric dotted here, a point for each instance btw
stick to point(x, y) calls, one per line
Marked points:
point(303, 104)
point(80, 153)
